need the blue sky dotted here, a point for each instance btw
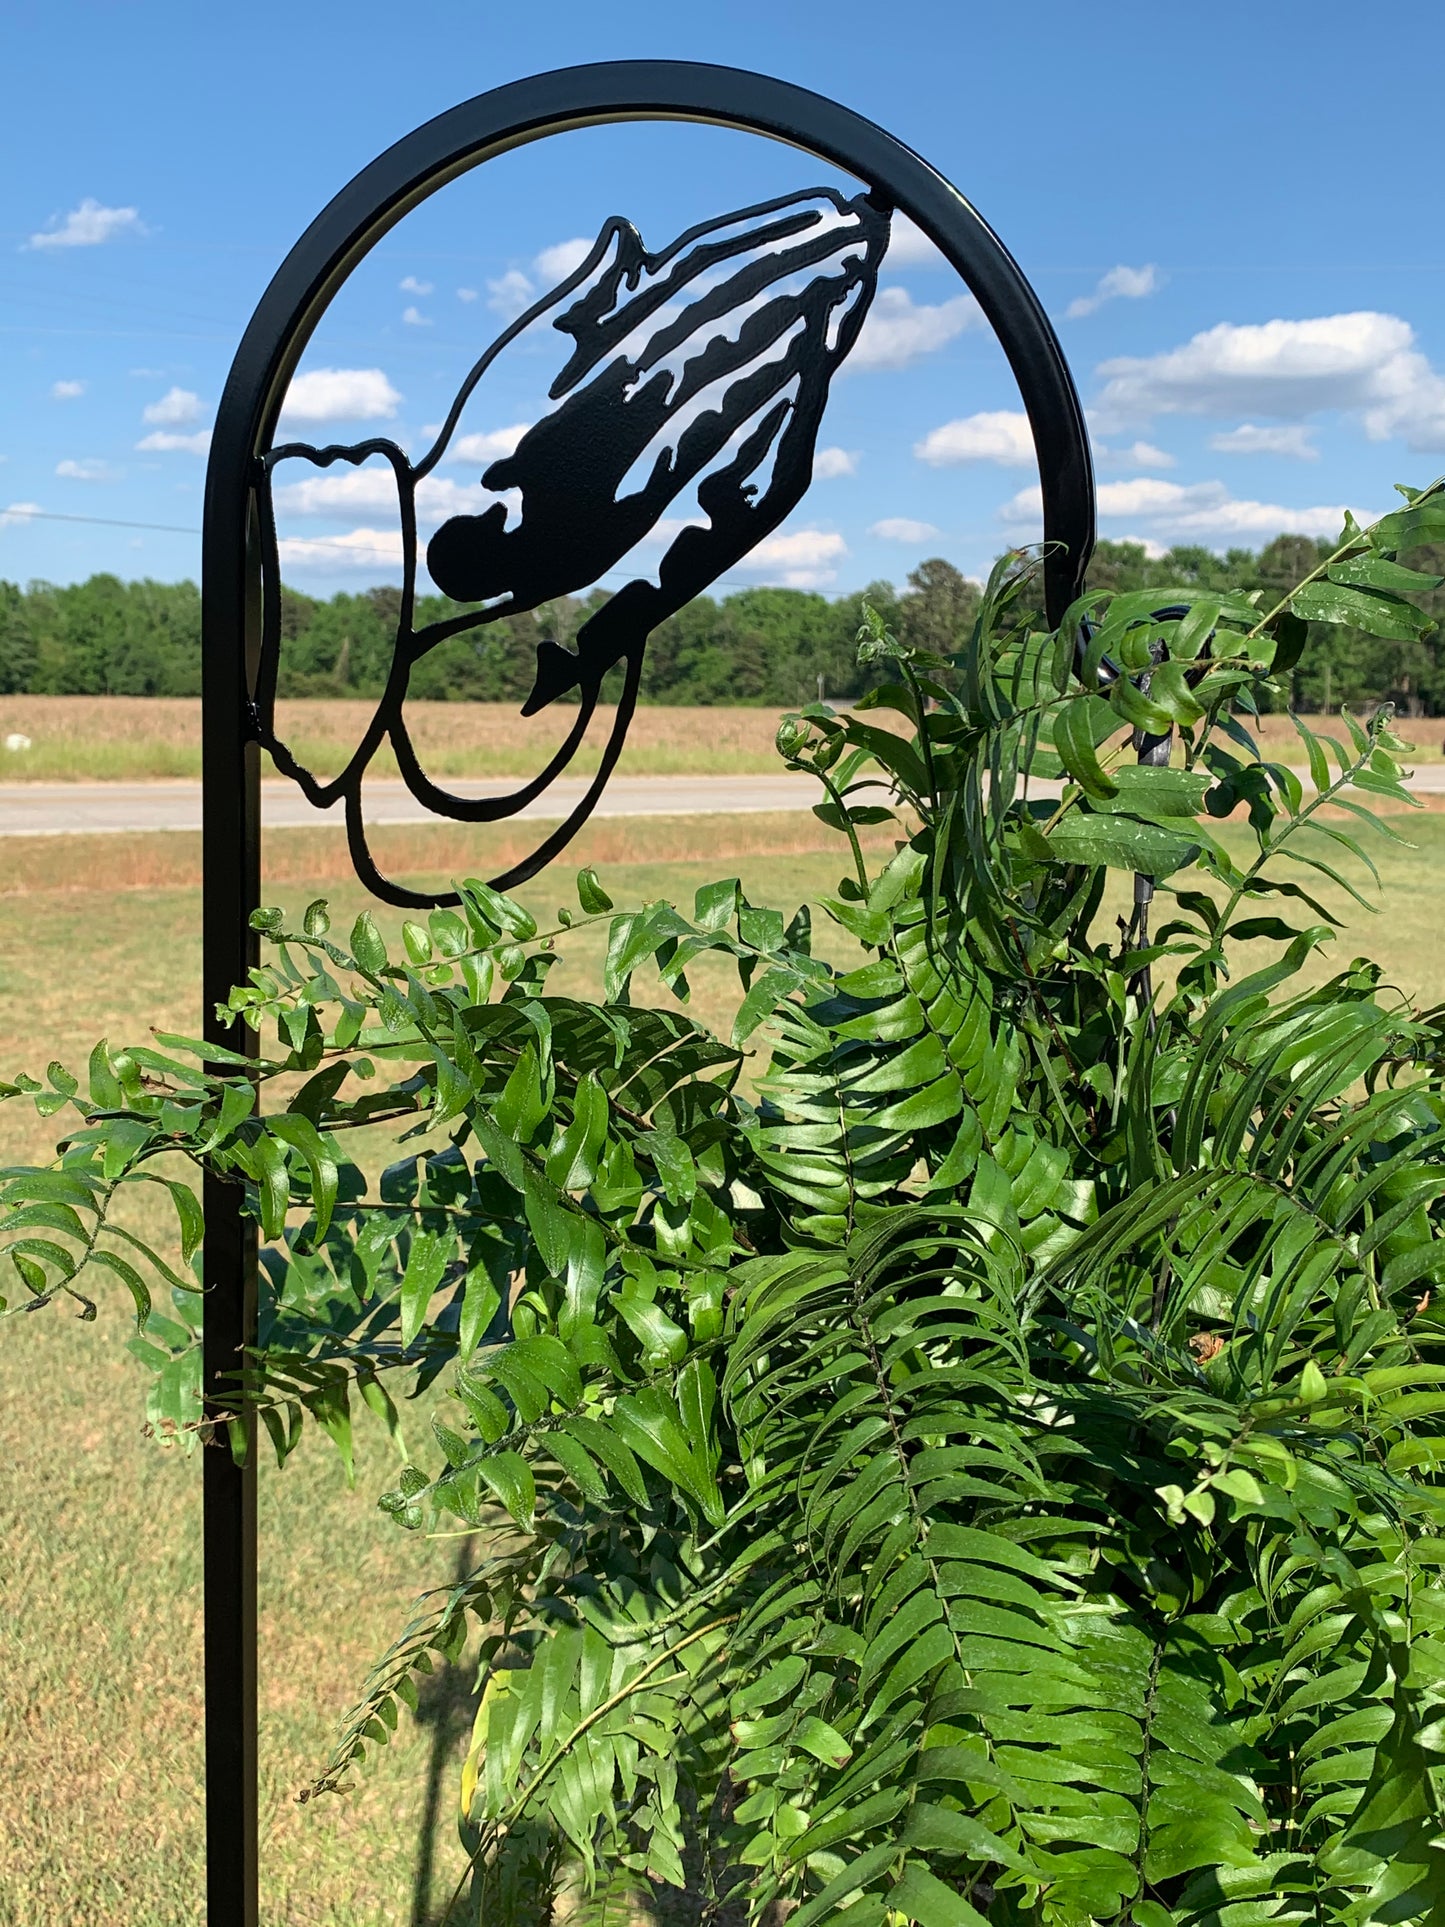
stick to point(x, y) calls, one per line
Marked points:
point(1231, 212)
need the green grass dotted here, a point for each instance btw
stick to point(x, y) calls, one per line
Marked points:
point(100, 1653)
point(100, 1658)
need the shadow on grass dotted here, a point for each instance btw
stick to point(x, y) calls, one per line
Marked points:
point(447, 1704)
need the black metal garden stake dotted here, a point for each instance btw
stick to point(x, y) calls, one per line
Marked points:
point(715, 350)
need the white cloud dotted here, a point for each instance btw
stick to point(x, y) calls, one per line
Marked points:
point(488, 446)
point(88, 469)
point(357, 549)
point(1248, 439)
point(1291, 369)
point(340, 394)
point(1139, 455)
point(830, 463)
point(910, 247)
point(898, 332)
point(1136, 455)
point(1193, 512)
point(466, 294)
point(18, 512)
point(358, 491)
point(671, 526)
point(903, 528)
point(1119, 284)
point(802, 559)
point(410, 285)
point(561, 259)
point(66, 390)
point(165, 441)
point(87, 226)
point(999, 435)
point(510, 294)
point(414, 318)
point(176, 407)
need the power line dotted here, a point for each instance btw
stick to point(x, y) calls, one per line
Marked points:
point(21, 513)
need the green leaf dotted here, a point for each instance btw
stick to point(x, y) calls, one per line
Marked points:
point(498, 912)
point(273, 1184)
point(663, 1340)
point(549, 1220)
point(1377, 613)
point(764, 995)
point(1121, 843)
point(480, 1303)
point(924, 1898)
point(1074, 741)
point(105, 1087)
point(1157, 793)
point(572, 1158)
point(426, 1266)
point(1410, 528)
point(716, 904)
point(130, 1278)
point(590, 894)
point(124, 1138)
point(510, 1478)
point(503, 1152)
point(1374, 572)
point(302, 1135)
point(367, 946)
point(824, 1742)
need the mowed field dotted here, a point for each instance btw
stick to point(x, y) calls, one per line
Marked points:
point(136, 739)
point(100, 1761)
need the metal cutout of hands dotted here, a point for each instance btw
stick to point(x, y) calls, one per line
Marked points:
point(706, 365)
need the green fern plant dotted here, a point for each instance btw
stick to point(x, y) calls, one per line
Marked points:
point(984, 1466)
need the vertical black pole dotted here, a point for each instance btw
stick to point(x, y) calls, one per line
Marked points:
point(231, 846)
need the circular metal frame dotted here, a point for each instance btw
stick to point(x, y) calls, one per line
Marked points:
point(283, 322)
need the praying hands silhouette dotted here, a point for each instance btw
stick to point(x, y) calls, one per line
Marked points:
point(705, 366)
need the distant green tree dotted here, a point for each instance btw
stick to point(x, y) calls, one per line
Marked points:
point(939, 612)
point(769, 645)
point(17, 642)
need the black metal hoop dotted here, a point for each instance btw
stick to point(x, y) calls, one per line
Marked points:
point(235, 541)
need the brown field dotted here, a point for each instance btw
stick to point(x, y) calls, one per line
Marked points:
point(135, 738)
point(138, 739)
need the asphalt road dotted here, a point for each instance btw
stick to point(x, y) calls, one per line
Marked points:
point(73, 809)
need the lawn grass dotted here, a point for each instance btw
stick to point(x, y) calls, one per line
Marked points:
point(100, 1656)
point(100, 1804)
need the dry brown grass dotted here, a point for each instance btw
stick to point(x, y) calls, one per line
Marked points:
point(1277, 735)
point(134, 738)
point(139, 739)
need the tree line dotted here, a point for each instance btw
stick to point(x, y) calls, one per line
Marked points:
point(768, 646)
